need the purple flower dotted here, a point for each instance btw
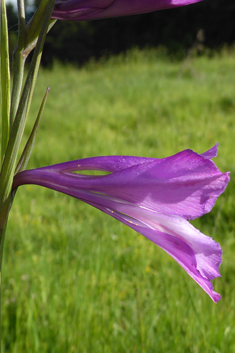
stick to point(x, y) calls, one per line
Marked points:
point(155, 197)
point(83, 10)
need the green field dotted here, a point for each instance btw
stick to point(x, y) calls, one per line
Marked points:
point(76, 280)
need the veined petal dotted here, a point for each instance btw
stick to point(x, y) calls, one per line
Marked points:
point(199, 255)
point(83, 10)
point(155, 197)
point(186, 184)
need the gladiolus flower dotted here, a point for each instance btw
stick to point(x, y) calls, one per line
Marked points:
point(83, 10)
point(155, 197)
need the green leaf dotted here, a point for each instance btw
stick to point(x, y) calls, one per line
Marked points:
point(30, 143)
point(5, 78)
point(34, 26)
point(18, 63)
point(17, 130)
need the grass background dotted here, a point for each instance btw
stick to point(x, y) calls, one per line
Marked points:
point(76, 280)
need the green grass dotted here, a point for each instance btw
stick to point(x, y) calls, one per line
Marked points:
point(76, 280)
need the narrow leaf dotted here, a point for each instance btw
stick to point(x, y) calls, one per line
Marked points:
point(30, 143)
point(18, 61)
point(5, 78)
point(17, 130)
point(34, 26)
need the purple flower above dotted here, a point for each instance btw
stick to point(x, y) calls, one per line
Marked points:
point(83, 10)
point(155, 197)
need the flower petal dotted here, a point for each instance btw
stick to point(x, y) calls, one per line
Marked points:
point(199, 255)
point(186, 184)
point(83, 10)
point(211, 153)
point(152, 196)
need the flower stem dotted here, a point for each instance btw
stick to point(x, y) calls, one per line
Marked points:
point(2, 237)
point(3, 226)
point(19, 111)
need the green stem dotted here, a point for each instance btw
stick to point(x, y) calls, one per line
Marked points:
point(3, 226)
point(17, 130)
point(2, 237)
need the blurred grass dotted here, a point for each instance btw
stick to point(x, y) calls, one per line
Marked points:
point(75, 280)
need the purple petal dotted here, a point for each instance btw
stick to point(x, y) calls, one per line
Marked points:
point(210, 153)
point(152, 196)
point(83, 10)
point(186, 184)
point(199, 255)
